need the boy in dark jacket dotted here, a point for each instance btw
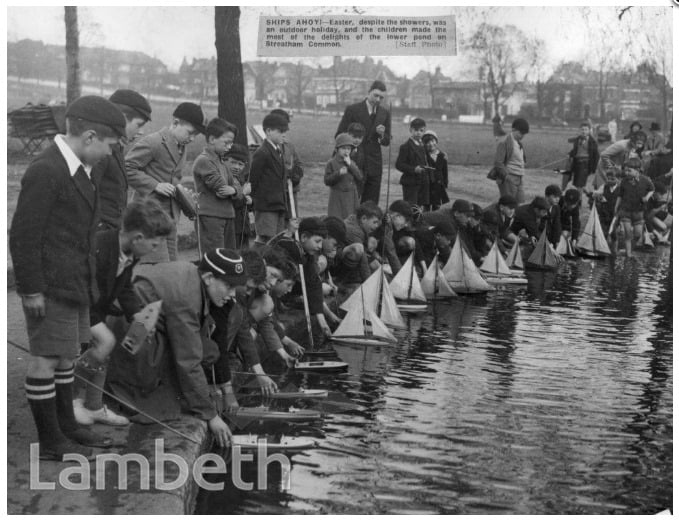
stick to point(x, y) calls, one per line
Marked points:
point(412, 161)
point(570, 214)
point(553, 219)
point(52, 245)
point(268, 180)
point(438, 175)
point(217, 188)
point(584, 158)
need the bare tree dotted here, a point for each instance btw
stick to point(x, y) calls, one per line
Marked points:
point(502, 52)
point(302, 76)
point(73, 88)
point(230, 86)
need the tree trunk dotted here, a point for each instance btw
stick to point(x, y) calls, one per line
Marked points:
point(230, 86)
point(602, 96)
point(73, 89)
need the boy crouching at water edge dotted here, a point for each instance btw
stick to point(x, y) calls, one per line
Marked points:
point(635, 191)
point(217, 188)
point(312, 231)
point(51, 241)
point(343, 177)
point(144, 227)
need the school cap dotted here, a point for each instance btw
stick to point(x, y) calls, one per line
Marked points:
point(225, 264)
point(344, 139)
point(521, 125)
point(463, 206)
point(191, 113)
point(540, 203)
point(239, 152)
point(275, 122)
point(507, 200)
point(402, 207)
point(336, 229)
point(96, 109)
point(134, 100)
point(430, 134)
point(313, 226)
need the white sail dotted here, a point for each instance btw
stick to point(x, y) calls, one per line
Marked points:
point(461, 272)
point(514, 260)
point(406, 284)
point(592, 239)
point(565, 247)
point(434, 283)
point(375, 285)
point(494, 263)
point(362, 322)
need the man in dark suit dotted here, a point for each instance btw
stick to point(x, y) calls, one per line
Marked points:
point(110, 172)
point(52, 245)
point(268, 181)
point(377, 122)
point(145, 226)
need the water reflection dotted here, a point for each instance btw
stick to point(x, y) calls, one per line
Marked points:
point(551, 398)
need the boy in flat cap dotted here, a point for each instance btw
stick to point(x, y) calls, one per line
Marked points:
point(217, 188)
point(110, 171)
point(155, 163)
point(52, 245)
point(268, 180)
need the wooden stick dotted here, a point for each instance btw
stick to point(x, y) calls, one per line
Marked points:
point(301, 270)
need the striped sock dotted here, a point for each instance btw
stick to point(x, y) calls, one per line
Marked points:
point(41, 396)
point(63, 382)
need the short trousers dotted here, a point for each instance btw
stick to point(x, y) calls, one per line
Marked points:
point(61, 331)
point(636, 217)
point(269, 223)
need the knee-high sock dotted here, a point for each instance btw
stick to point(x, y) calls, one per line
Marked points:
point(41, 396)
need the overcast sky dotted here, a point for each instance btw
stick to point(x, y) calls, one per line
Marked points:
point(170, 33)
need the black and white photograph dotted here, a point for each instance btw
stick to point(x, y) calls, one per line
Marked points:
point(339, 260)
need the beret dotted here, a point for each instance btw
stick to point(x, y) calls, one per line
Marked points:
point(226, 264)
point(430, 134)
point(96, 109)
point(239, 152)
point(463, 206)
point(133, 100)
point(191, 113)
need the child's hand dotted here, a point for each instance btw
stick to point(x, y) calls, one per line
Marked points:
point(247, 188)
point(343, 170)
point(225, 191)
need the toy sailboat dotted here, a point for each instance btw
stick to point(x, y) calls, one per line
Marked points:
point(514, 260)
point(407, 289)
point(592, 242)
point(368, 295)
point(662, 238)
point(434, 283)
point(461, 272)
point(543, 256)
point(362, 326)
point(565, 248)
point(496, 270)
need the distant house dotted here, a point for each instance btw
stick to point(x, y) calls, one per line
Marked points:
point(437, 91)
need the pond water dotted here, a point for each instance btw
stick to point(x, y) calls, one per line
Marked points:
point(547, 399)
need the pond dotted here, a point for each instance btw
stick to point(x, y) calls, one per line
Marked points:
point(555, 398)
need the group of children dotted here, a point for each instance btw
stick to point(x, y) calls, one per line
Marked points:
point(86, 262)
